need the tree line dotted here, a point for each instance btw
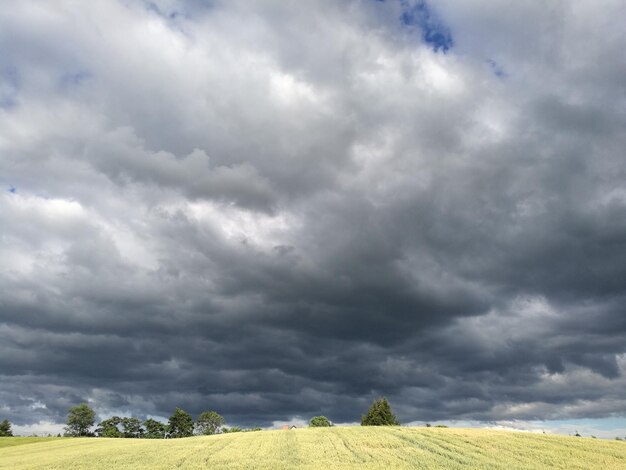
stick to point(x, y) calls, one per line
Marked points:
point(82, 418)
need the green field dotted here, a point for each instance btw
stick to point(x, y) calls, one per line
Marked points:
point(323, 448)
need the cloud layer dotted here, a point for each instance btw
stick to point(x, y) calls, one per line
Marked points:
point(278, 210)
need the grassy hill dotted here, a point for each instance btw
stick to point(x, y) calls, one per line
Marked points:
point(323, 448)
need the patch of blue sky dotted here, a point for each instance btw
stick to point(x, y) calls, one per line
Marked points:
point(12, 189)
point(154, 8)
point(497, 69)
point(173, 18)
point(9, 87)
point(183, 9)
point(434, 32)
point(74, 79)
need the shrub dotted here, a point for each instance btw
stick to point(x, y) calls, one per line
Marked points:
point(233, 429)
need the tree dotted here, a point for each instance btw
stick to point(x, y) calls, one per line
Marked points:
point(379, 414)
point(209, 422)
point(320, 422)
point(5, 429)
point(180, 424)
point(109, 427)
point(132, 428)
point(154, 429)
point(79, 420)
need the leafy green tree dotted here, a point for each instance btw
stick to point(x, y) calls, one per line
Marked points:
point(5, 428)
point(180, 424)
point(320, 422)
point(379, 414)
point(209, 422)
point(154, 429)
point(79, 420)
point(132, 428)
point(109, 427)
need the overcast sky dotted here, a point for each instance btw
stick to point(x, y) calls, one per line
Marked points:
point(280, 209)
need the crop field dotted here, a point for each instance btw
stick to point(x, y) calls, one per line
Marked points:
point(321, 448)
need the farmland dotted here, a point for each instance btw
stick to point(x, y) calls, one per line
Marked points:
point(324, 448)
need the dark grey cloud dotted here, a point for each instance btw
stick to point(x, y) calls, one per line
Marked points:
point(279, 210)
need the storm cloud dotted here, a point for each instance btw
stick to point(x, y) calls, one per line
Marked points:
point(284, 209)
